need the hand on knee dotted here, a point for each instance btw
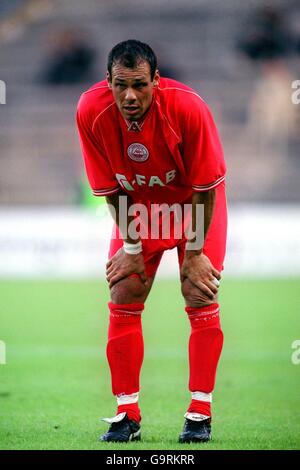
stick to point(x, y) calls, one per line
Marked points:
point(193, 295)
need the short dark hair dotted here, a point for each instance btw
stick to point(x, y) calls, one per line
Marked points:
point(129, 53)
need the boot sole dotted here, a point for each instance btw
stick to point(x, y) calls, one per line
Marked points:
point(191, 440)
point(133, 437)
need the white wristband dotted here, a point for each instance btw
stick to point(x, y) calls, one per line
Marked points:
point(193, 246)
point(133, 248)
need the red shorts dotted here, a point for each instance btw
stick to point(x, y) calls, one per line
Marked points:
point(214, 247)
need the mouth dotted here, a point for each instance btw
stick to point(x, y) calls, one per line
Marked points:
point(131, 109)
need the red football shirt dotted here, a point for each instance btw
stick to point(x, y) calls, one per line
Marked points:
point(176, 149)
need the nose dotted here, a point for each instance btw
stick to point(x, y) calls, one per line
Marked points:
point(130, 95)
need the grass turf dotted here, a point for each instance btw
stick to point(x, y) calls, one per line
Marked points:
point(56, 382)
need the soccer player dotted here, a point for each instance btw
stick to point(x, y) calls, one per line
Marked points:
point(154, 141)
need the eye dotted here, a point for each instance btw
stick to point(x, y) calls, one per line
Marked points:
point(139, 86)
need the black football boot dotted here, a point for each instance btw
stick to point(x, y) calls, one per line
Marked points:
point(121, 429)
point(195, 429)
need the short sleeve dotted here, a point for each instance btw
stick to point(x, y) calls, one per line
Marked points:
point(100, 175)
point(202, 149)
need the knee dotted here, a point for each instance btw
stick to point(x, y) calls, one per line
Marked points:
point(194, 297)
point(127, 291)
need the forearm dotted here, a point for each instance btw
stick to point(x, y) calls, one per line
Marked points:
point(120, 215)
point(129, 259)
point(200, 225)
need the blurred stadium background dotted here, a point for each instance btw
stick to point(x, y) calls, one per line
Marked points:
point(242, 58)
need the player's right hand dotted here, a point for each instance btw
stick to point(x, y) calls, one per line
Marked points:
point(122, 265)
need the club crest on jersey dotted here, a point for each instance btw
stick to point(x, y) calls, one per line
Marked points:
point(138, 152)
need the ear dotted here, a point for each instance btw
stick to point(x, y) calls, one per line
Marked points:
point(156, 78)
point(108, 79)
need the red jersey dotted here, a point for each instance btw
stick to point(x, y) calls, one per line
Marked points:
point(174, 151)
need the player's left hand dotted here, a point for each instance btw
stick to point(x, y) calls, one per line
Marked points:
point(198, 269)
point(122, 264)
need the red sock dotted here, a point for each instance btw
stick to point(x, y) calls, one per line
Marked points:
point(132, 410)
point(125, 347)
point(205, 346)
point(201, 407)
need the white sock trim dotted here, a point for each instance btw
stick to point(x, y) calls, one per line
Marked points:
point(201, 396)
point(126, 399)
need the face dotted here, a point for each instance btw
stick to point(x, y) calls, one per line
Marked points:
point(133, 89)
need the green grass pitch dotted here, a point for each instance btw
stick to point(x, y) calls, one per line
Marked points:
point(56, 385)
